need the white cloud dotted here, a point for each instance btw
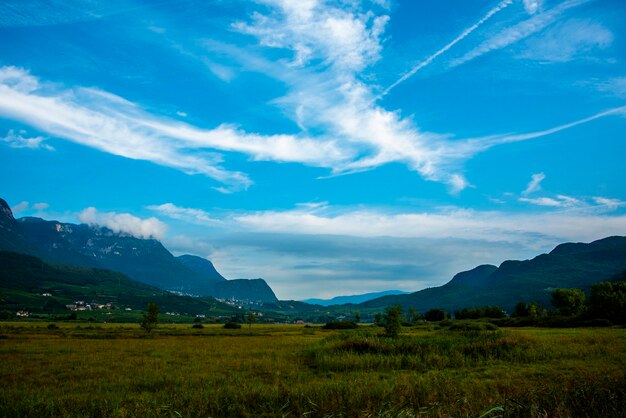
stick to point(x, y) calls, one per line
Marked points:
point(25, 206)
point(192, 215)
point(532, 6)
point(41, 206)
point(332, 44)
point(125, 223)
point(20, 207)
point(534, 184)
point(316, 30)
point(560, 201)
point(111, 124)
point(519, 31)
point(489, 226)
point(18, 140)
point(574, 38)
point(335, 101)
point(615, 86)
point(457, 183)
point(610, 204)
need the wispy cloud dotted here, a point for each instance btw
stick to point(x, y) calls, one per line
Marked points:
point(560, 201)
point(19, 140)
point(124, 222)
point(609, 203)
point(445, 223)
point(615, 86)
point(519, 31)
point(20, 207)
point(463, 35)
point(532, 6)
point(25, 206)
point(534, 184)
point(574, 38)
point(192, 215)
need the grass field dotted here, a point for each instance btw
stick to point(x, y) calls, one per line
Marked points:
point(289, 370)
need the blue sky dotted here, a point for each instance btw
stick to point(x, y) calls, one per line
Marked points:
point(330, 147)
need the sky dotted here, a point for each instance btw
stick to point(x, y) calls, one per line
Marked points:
point(329, 147)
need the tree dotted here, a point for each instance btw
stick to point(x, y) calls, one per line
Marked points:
point(414, 316)
point(520, 310)
point(251, 319)
point(608, 300)
point(150, 318)
point(435, 315)
point(393, 321)
point(568, 302)
point(357, 317)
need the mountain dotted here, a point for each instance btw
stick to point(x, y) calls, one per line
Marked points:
point(570, 265)
point(201, 266)
point(11, 239)
point(244, 289)
point(354, 299)
point(144, 260)
point(29, 283)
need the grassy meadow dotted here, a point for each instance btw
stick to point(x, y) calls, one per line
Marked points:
point(83, 370)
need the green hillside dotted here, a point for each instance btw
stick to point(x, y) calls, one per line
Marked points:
point(25, 279)
point(567, 266)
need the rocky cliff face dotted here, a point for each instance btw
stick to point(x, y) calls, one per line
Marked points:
point(145, 260)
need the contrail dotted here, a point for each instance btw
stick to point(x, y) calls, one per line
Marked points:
point(459, 38)
point(522, 137)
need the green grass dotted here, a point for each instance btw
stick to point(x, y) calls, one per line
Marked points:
point(288, 370)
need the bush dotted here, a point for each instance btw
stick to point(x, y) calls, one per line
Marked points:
point(393, 321)
point(4, 314)
point(197, 326)
point(340, 325)
point(435, 315)
point(232, 325)
point(52, 326)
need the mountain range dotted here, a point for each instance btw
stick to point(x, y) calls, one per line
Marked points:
point(354, 299)
point(144, 260)
point(570, 265)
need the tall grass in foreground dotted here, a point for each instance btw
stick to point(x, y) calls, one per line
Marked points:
point(104, 371)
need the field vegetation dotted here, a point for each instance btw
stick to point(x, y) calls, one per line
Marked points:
point(454, 368)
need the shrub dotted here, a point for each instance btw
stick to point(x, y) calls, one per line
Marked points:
point(232, 325)
point(435, 315)
point(52, 326)
point(340, 325)
point(393, 321)
point(197, 326)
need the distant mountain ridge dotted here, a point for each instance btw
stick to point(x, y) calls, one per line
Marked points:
point(569, 265)
point(144, 260)
point(354, 299)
